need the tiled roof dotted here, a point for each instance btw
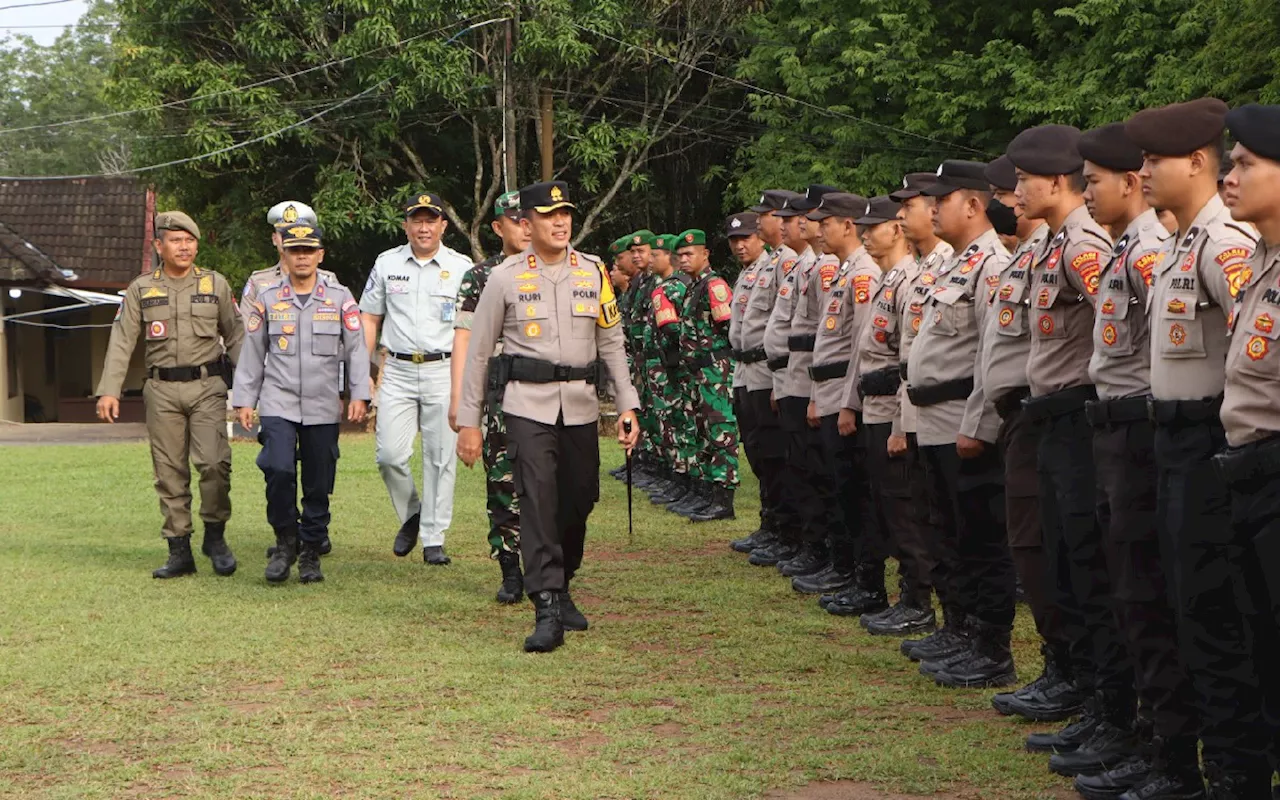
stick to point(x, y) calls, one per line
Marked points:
point(98, 228)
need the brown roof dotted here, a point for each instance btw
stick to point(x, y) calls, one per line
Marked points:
point(99, 228)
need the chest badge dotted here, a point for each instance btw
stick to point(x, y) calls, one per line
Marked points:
point(1256, 348)
point(1109, 334)
point(1178, 335)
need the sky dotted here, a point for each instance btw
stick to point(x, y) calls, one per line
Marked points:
point(42, 23)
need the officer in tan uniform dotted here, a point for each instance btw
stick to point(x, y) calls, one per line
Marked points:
point(191, 325)
point(1193, 291)
point(558, 319)
point(958, 428)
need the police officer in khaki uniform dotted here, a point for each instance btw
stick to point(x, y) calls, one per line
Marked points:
point(1193, 291)
point(280, 216)
point(191, 325)
point(558, 319)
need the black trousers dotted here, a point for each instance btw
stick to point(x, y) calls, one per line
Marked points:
point(748, 428)
point(896, 532)
point(770, 461)
point(972, 547)
point(1213, 566)
point(557, 478)
point(926, 518)
point(805, 478)
point(846, 458)
point(1018, 442)
point(284, 445)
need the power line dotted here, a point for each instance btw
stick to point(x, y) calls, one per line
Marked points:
point(33, 5)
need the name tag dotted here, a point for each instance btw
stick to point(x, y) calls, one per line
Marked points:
point(448, 310)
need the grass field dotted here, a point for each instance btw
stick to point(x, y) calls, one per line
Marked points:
point(701, 677)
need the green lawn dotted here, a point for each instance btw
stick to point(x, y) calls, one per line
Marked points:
point(701, 677)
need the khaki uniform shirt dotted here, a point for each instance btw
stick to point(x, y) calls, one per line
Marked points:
point(917, 291)
point(879, 345)
point(1121, 363)
point(1191, 297)
point(1251, 407)
point(741, 297)
point(778, 330)
point(814, 287)
point(1006, 342)
point(1064, 287)
point(186, 322)
point(564, 313)
point(264, 279)
point(847, 305)
point(755, 317)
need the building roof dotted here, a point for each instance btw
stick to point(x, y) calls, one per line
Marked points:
point(98, 228)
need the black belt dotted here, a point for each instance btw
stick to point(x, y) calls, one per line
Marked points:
point(535, 370)
point(1108, 413)
point(419, 358)
point(779, 363)
point(802, 344)
point(1058, 404)
point(707, 359)
point(752, 356)
point(1250, 462)
point(1010, 402)
point(925, 396)
point(187, 374)
point(902, 370)
point(880, 382)
point(1176, 413)
point(826, 372)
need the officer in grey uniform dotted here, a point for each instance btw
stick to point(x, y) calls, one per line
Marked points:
point(558, 318)
point(297, 334)
point(280, 216)
point(412, 293)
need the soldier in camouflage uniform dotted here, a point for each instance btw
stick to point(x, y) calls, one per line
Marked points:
point(500, 491)
point(640, 247)
point(665, 373)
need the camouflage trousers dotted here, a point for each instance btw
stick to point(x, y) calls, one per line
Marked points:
point(501, 503)
point(716, 459)
point(671, 413)
point(650, 435)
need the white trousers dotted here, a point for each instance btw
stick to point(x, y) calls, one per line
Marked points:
point(413, 399)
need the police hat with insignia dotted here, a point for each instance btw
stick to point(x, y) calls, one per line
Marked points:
point(839, 204)
point(1002, 174)
point(507, 205)
point(692, 237)
point(426, 201)
point(291, 211)
point(641, 237)
point(743, 224)
point(774, 200)
point(1179, 129)
point(807, 202)
point(955, 175)
point(299, 235)
point(176, 221)
point(545, 197)
point(1109, 148)
point(913, 185)
point(1047, 150)
point(1257, 127)
point(879, 210)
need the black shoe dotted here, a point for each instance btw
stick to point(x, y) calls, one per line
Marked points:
point(903, 620)
point(434, 555)
point(309, 564)
point(867, 619)
point(676, 491)
point(932, 667)
point(946, 641)
point(829, 583)
point(858, 601)
point(570, 617)
point(286, 553)
point(1115, 781)
point(548, 630)
point(1109, 746)
point(720, 507)
point(619, 472)
point(990, 665)
point(512, 589)
point(758, 538)
point(1069, 738)
point(659, 487)
point(180, 562)
point(699, 497)
point(1161, 785)
point(1051, 697)
point(811, 560)
point(770, 556)
point(407, 536)
point(215, 547)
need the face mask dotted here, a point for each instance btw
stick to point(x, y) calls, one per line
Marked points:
point(1003, 218)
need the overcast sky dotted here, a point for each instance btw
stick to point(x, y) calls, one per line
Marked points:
point(42, 23)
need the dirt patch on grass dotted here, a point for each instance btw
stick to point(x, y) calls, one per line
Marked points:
point(852, 790)
point(80, 746)
point(582, 745)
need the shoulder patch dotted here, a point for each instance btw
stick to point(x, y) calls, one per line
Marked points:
point(861, 288)
point(1233, 254)
point(1147, 263)
point(1088, 266)
point(721, 299)
point(610, 315)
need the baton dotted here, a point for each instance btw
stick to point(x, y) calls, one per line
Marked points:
point(631, 530)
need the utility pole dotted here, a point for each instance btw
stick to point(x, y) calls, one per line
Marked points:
point(548, 134)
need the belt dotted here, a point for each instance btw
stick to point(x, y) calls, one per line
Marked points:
point(1010, 402)
point(752, 356)
point(802, 344)
point(707, 359)
point(1177, 413)
point(1249, 462)
point(535, 370)
point(880, 383)
point(826, 372)
point(1058, 404)
point(1109, 413)
point(419, 358)
point(902, 370)
point(925, 396)
point(187, 374)
point(779, 363)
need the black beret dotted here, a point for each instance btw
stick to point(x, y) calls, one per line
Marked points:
point(953, 175)
point(913, 185)
point(879, 210)
point(1047, 150)
point(1002, 175)
point(839, 204)
point(1257, 128)
point(774, 200)
point(1110, 148)
point(1179, 129)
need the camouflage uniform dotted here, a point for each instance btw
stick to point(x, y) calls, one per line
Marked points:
point(663, 370)
point(705, 352)
point(636, 324)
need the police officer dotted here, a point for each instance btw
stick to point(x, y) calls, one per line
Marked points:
point(1192, 294)
point(500, 493)
point(412, 292)
point(280, 216)
point(188, 318)
point(298, 331)
point(558, 319)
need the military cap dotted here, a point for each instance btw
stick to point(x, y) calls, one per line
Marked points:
point(300, 234)
point(953, 175)
point(1178, 129)
point(507, 205)
point(691, 237)
point(176, 221)
point(1257, 127)
point(743, 224)
point(545, 197)
point(291, 211)
point(641, 237)
point(1001, 174)
point(880, 209)
point(618, 247)
point(1047, 150)
point(839, 204)
point(426, 201)
point(773, 200)
point(665, 241)
point(1110, 148)
point(913, 185)
point(807, 202)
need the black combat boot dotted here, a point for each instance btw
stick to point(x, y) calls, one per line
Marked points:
point(1225, 785)
point(678, 488)
point(781, 550)
point(1174, 774)
point(326, 547)
point(1070, 737)
point(904, 619)
point(813, 558)
point(828, 582)
point(948, 640)
point(282, 559)
point(720, 507)
point(180, 562)
point(407, 536)
point(570, 617)
point(309, 563)
point(867, 596)
point(215, 547)
point(1114, 782)
point(990, 665)
point(512, 589)
point(1052, 697)
point(1113, 741)
point(698, 498)
point(760, 537)
point(548, 630)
